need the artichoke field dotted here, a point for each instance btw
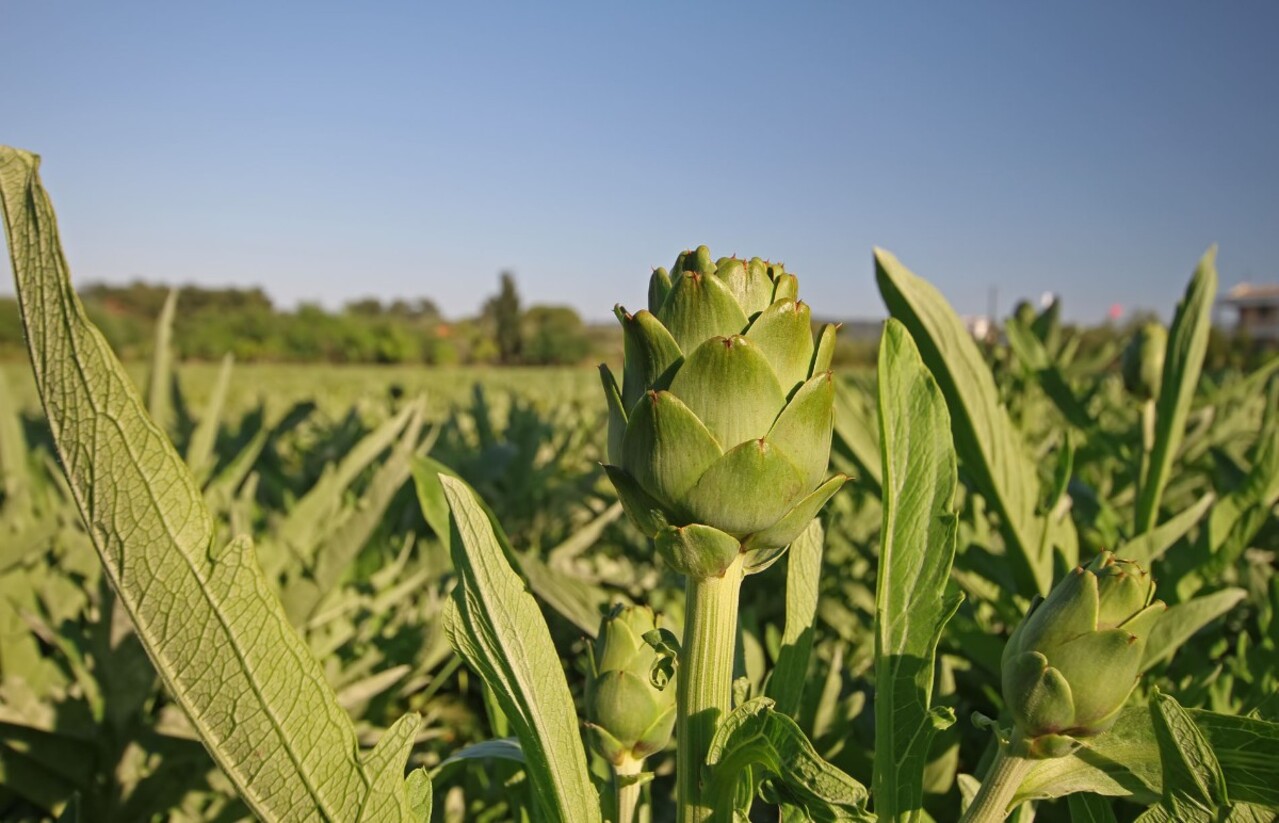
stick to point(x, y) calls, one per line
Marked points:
point(1033, 578)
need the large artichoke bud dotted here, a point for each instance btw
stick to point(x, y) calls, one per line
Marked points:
point(1071, 664)
point(631, 698)
point(720, 436)
point(1143, 361)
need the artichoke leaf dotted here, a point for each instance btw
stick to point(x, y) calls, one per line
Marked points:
point(746, 490)
point(730, 385)
point(700, 307)
point(812, 410)
point(667, 448)
point(784, 333)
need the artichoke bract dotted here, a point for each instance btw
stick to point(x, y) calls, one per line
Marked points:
point(1074, 659)
point(1143, 361)
point(719, 437)
point(631, 699)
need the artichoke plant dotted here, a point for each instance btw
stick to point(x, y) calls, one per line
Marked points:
point(631, 699)
point(720, 433)
point(1072, 662)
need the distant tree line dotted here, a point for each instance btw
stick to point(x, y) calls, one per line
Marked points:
point(213, 321)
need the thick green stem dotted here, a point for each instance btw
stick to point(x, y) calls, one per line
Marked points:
point(705, 681)
point(1003, 779)
point(627, 784)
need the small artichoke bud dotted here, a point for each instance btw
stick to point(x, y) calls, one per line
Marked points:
point(631, 694)
point(1069, 667)
point(720, 433)
point(1143, 361)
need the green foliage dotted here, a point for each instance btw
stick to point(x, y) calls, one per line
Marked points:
point(497, 628)
point(203, 612)
point(985, 437)
point(917, 547)
point(1182, 362)
point(252, 576)
point(554, 335)
point(756, 743)
point(803, 578)
point(245, 323)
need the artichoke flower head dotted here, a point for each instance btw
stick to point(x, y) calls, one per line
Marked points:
point(719, 437)
point(630, 698)
point(1072, 662)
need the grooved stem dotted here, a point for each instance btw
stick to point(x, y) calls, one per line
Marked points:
point(705, 690)
point(1003, 778)
point(625, 781)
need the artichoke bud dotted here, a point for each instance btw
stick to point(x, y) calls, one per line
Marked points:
point(720, 432)
point(631, 691)
point(1069, 667)
point(1143, 361)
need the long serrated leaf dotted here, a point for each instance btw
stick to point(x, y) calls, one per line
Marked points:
point(1191, 774)
point(1125, 761)
point(496, 626)
point(1183, 360)
point(803, 578)
point(755, 737)
point(208, 620)
point(917, 548)
point(985, 438)
point(1181, 621)
point(1247, 750)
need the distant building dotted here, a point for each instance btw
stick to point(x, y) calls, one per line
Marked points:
point(1257, 310)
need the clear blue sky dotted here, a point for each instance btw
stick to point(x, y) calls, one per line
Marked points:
point(332, 150)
